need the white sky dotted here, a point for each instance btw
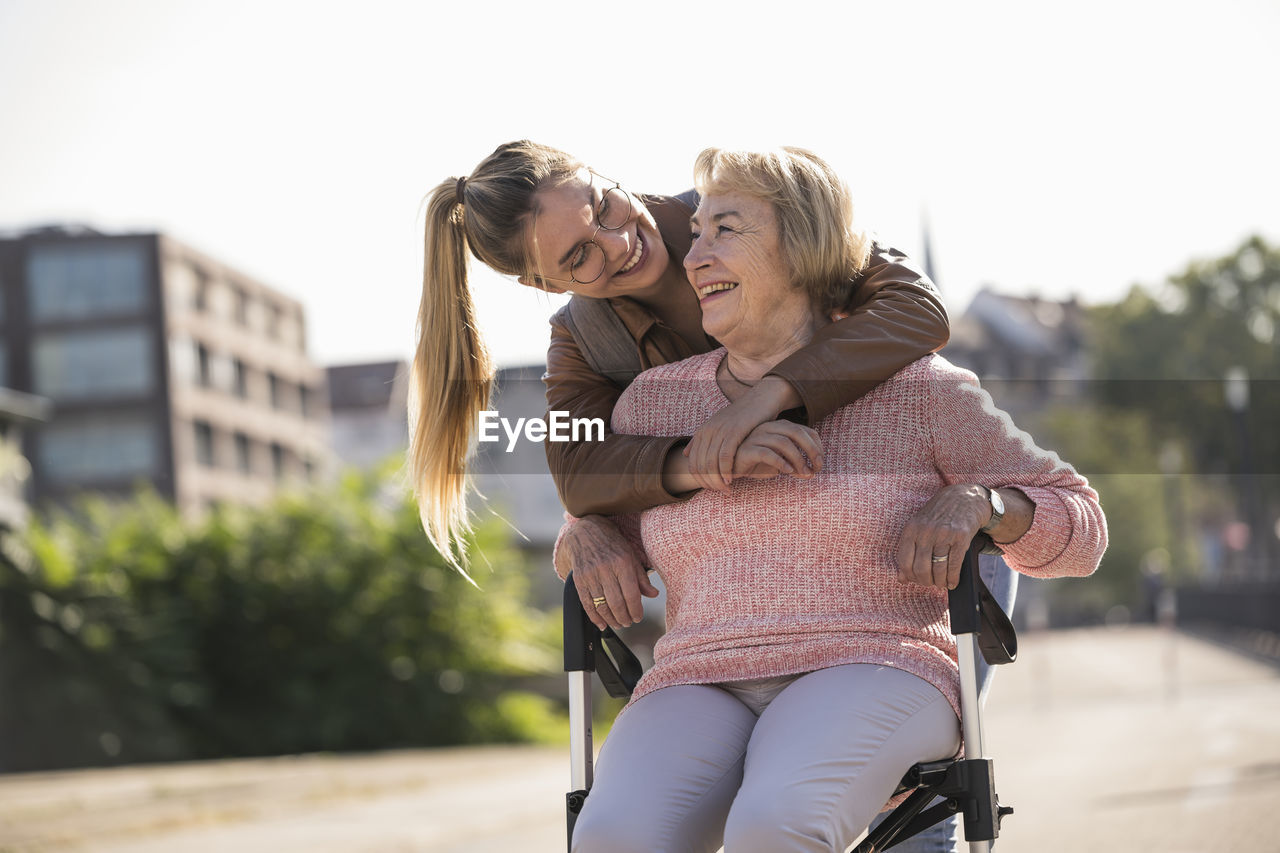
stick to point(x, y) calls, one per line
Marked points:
point(1069, 148)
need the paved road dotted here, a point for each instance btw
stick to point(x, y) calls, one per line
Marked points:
point(1105, 740)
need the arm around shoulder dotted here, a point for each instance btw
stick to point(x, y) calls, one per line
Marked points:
point(622, 473)
point(896, 317)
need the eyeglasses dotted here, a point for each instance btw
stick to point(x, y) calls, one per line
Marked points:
point(587, 262)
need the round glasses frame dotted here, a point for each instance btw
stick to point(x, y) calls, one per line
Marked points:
point(586, 245)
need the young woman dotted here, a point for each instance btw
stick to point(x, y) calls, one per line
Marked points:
point(537, 213)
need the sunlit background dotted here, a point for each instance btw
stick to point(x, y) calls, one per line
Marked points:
point(269, 593)
point(1066, 149)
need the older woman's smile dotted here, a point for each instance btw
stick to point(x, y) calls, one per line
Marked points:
point(737, 250)
point(706, 291)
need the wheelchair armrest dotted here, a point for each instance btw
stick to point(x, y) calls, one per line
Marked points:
point(588, 649)
point(974, 610)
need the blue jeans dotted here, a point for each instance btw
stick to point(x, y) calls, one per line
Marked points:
point(944, 837)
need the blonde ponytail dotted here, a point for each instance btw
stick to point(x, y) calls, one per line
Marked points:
point(452, 373)
point(450, 380)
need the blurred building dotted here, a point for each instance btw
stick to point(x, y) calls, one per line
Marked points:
point(367, 409)
point(516, 484)
point(165, 368)
point(1027, 351)
point(18, 412)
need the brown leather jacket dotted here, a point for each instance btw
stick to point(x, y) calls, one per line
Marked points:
point(897, 318)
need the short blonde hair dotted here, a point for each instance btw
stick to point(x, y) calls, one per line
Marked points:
point(824, 250)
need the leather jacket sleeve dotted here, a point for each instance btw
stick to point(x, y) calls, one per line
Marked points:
point(621, 474)
point(897, 317)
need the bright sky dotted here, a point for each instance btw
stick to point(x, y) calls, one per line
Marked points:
point(1066, 148)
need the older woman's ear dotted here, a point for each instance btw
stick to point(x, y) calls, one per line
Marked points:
point(838, 314)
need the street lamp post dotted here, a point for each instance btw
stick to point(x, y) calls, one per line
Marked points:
point(1236, 392)
point(1171, 466)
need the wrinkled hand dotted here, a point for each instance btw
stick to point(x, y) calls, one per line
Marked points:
point(604, 564)
point(713, 447)
point(779, 447)
point(943, 526)
point(714, 450)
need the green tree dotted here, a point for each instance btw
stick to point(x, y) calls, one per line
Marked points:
point(1162, 354)
point(1166, 352)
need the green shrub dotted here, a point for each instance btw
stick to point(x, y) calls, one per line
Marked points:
point(324, 621)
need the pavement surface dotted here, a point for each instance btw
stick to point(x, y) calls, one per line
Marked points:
point(1128, 740)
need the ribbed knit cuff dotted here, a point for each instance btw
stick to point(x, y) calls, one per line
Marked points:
point(1048, 537)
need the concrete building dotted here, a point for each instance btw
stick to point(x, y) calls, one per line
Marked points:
point(165, 368)
point(515, 481)
point(367, 410)
point(18, 412)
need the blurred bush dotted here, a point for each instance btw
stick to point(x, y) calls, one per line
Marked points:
point(324, 621)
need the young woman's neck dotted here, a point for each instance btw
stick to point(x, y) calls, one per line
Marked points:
point(671, 292)
point(673, 301)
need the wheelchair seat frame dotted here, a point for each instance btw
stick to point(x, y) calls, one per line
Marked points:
point(967, 785)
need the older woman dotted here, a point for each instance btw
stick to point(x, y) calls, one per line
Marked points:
point(807, 661)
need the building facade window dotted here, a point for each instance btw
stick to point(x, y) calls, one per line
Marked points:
point(200, 297)
point(106, 448)
point(83, 280)
point(277, 460)
point(204, 371)
point(92, 364)
point(274, 317)
point(239, 379)
point(204, 443)
point(274, 390)
point(241, 307)
point(244, 454)
point(290, 329)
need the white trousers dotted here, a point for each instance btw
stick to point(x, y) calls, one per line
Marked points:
point(692, 767)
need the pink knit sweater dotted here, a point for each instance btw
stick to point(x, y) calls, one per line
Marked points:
point(783, 576)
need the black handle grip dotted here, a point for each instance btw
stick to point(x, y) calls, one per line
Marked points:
point(581, 637)
point(588, 649)
point(965, 600)
point(974, 610)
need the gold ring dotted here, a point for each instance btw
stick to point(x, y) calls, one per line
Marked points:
point(599, 602)
point(939, 559)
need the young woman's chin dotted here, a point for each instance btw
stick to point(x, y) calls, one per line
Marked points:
point(645, 272)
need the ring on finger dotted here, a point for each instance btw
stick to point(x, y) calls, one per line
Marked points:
point(939, 558)
point(599, 601)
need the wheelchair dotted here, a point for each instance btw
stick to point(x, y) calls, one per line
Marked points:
point(966, 785)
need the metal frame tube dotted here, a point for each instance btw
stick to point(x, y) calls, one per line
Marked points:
point(581, 751)
point(970, 705)
point(971, 710)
